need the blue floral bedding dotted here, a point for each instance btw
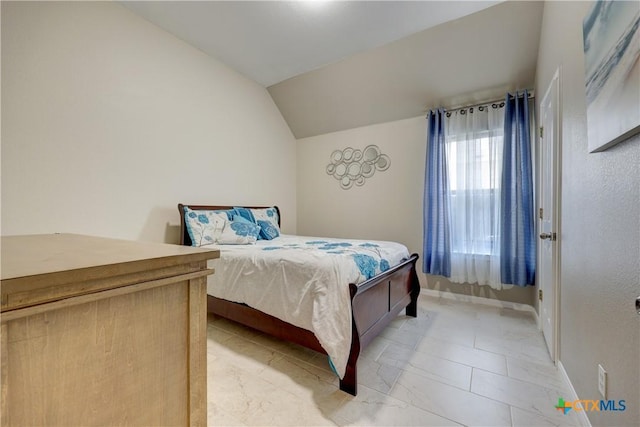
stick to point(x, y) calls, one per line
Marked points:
point(367, 256)
point(304, 281)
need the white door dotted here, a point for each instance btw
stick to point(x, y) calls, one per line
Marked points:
point(547, 215)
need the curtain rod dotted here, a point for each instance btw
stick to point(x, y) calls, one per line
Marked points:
point(460, 107)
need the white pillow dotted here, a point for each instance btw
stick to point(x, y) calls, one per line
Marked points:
point(204, 227)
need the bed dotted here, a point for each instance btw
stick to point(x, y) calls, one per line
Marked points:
point(373, 300)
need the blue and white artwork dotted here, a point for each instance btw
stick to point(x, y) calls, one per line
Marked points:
point(611, 31)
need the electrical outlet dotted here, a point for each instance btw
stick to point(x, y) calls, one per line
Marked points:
point(602, 381)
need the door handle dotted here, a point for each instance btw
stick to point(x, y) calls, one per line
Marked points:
point(638, 305)
point(548, 236)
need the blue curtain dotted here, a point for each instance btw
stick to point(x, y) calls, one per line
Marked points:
point(437, 237)
point(517, 242)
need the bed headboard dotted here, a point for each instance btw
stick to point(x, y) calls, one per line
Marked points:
point(184, 234)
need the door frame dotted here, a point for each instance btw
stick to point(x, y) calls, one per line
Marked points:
point(556, 212)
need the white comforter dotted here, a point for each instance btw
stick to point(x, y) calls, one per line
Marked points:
point(303, 281)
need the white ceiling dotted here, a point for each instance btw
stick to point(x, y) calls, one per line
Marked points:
point(271, 41)
point(335, 65)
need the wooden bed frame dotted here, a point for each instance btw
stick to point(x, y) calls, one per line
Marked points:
point(374, 304)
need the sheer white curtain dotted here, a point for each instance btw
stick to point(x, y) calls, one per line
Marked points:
point(474, 140)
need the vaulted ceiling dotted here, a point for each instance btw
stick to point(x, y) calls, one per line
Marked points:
point(337, 65)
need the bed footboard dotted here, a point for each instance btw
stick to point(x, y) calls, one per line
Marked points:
point(375, 303)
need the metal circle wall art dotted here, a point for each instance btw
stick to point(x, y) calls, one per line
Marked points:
point(351, 166)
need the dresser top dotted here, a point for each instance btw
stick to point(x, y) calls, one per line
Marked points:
point(32, 255)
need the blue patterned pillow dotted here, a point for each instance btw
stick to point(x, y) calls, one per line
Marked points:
point(242, 213)
point(238, 232)
point(267, 219)
point(204, 226)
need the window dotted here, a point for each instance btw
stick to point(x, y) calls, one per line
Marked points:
point(478, 219)
point(474, 161)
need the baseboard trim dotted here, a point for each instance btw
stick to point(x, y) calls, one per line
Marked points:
point(582, 415)
point(481, 300)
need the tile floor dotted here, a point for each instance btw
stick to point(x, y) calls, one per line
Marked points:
point(457, 363)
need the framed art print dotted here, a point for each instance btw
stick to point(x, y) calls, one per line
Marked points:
point(611, 32)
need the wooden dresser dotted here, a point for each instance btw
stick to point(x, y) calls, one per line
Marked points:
point(105, 332)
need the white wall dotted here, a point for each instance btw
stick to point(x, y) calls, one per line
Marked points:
point(600, 234)
point(388, 206)
point(385, 205)
point(109, 122)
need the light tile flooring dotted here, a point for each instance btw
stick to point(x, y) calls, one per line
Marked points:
point(455, 364)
